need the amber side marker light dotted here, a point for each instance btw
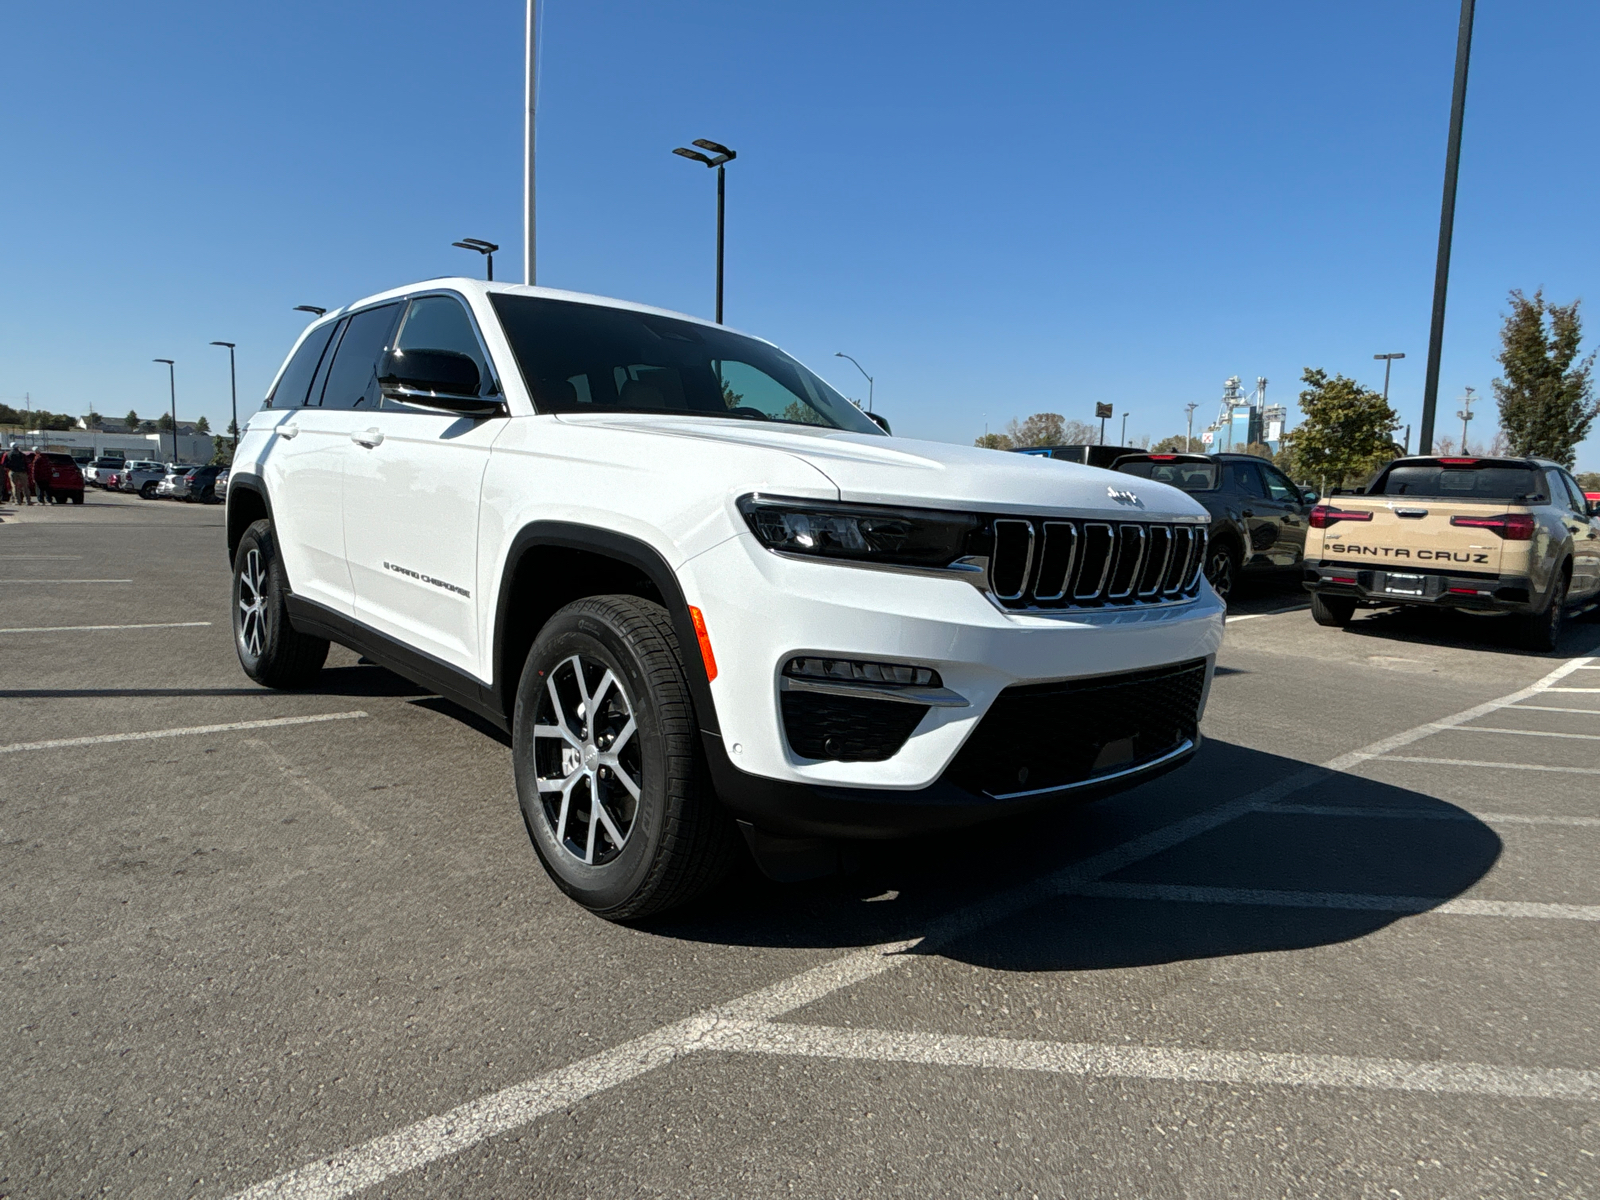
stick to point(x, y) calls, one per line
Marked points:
point(704, 639)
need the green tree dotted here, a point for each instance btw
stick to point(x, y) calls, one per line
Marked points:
point(202, 426)
point(1176, 444)
point(131, 420)
point(1589, 481)
point(1346, 431)
point(164, 423)
point(93, 420)
point(993, 441)
point(1041, 429)
point(1546, 398)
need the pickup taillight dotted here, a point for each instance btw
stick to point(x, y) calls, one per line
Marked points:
point(1324, 515)
point(1513, 527)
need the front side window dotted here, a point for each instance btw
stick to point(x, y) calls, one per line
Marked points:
point(590, 358)
point(1580, 502)
point(295, 382)
point(1247, 479)
point(353, 377)
point(438, 323)
point(1278, 485)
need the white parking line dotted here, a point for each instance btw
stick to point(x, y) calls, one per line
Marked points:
point(1593, 712)
point(92, 628)
point(39, 557)
point(1162, 1062)
point(1354, 901)
point(1429, 814)
point(1472, 762)
point(100, 581)
point(1573, 689)
point(1588, 737)
point(152, 735)
point(437, 1137)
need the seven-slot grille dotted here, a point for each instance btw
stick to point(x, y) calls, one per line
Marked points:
point(1043, 562)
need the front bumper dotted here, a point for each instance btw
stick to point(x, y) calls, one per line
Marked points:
point(762, 609)
point(1438, 589)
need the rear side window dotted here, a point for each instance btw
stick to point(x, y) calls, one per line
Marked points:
point(296, 378)
point(1508, 484)
point(353, 378)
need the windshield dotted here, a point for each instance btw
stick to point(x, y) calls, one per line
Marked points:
point(1190, 476)
point(589, 358)
point(1466, 483)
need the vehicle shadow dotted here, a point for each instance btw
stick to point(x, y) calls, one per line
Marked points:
point(1423, 847)
point(1449, 627)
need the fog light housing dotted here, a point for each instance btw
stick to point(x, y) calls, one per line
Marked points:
point(845, 670)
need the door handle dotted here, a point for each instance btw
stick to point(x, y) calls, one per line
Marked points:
point(367, 437)
point(288, 430)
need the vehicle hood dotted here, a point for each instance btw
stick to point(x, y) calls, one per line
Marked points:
point(896, 470)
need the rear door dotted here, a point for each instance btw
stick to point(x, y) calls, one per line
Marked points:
point(1289, 511)
point(411, 502)
point(1570, 501)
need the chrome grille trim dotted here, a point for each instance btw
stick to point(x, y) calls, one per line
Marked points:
point(1076, 564)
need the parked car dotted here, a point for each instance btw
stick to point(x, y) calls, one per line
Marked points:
point(200, 484)
point(1258, 517)
point(711, 601)
point(59, 478)
point(97, 471)
point(174, 484)
point(143, 476)
point(1507, 535)
point(219, 485)
point(1092, 456)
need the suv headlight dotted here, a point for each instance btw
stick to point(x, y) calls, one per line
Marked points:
point(914, 537)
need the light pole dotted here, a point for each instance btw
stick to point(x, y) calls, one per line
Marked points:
point(1124, 441)
point(172, 386)
point(1388, 361)
point(1465, 413)
point(310, 308)
point(723, 157)
point(484, 248)
point(863, 370)
point(1447, 220)
point(530, 84)
point(1188, 434)
point(233, 384)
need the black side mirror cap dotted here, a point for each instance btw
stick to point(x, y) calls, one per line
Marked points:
point(881, 421)
point(440, 379)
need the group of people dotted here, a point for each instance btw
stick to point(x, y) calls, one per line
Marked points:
point(25, 476)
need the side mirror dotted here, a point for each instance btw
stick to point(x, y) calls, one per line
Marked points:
point(440, 379)
point(1311, 496)
point(881, 421)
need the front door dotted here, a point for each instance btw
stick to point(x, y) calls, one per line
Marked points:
point(1249, 492)
point(411, 503)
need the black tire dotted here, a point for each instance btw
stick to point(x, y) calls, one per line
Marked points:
point(270, 651)
point(1541, 631)
point(676, 840)
point(77, 497)
point(1332, 610)
point(148, 491)
point(1222, 568)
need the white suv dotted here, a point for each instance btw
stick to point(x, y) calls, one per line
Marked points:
point(705, 593)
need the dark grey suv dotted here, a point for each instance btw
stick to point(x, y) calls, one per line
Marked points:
point(1258, 516)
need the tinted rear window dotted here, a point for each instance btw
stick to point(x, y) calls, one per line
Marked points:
point(1466, 483)
point(296, 378)
point(1190, 476)
point(62, 460)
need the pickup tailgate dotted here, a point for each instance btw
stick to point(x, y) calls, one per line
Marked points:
point(1395, 532)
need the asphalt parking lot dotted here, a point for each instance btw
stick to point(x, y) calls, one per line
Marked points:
point(281, 944)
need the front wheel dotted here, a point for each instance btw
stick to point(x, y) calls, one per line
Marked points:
point(77, 497)
point(148, 491)
point(270, 651)
point(1332, 610)
point(609, 773)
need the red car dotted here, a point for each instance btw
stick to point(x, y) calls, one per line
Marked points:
point(57, 477)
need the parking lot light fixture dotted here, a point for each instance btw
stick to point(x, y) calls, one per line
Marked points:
point(310, 308)
point(1388, 361)
point(233, 384)
point(863, 370)
point(724, 156)
point(172, 387)
point(484, 248)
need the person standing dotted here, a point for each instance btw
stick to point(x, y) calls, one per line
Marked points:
point(16, 463)
point(39, 475)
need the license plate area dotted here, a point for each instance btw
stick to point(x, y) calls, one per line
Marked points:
point(1405, 585)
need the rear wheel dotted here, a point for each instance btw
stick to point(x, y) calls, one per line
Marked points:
point(270, 651)
point(77, 497)
point(1541, 631)
point(148, 491)
point(1222, 568)
point(1332, 610)
point(609, 772)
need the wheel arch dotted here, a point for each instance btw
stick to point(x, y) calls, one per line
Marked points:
point(592, 561)
point(247, 503)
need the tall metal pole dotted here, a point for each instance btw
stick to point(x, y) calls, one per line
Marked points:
point(1124, 429)
point(233, 387)
point(721, 198)
point(1447, 218)
point(530, 85)
point(1188, 437)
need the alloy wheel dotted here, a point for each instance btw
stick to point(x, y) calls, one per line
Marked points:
point(587, 760)
point(252, 603)
point(1220, 572)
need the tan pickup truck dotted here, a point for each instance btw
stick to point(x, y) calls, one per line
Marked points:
point(1506, 535)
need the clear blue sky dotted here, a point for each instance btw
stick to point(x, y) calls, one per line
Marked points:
point(998, 208)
